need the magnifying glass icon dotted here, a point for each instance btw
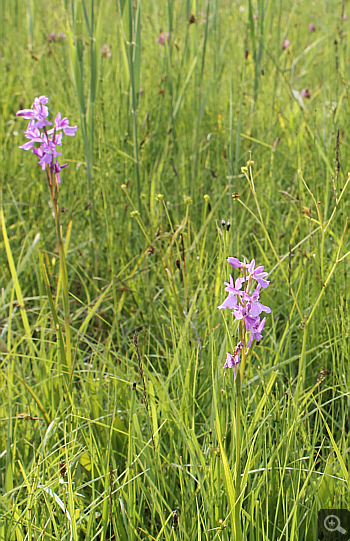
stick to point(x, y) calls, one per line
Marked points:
point(332, 524)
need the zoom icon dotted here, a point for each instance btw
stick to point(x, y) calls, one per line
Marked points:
point(334, 525)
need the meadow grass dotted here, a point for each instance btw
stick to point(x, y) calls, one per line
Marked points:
point(135, 438)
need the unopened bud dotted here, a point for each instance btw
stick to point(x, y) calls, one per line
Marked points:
point(134, 213)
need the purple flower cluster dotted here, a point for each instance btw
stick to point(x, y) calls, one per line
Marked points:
point(244, 302)
point(162, 37)
point(233, 359)
point(42, 141)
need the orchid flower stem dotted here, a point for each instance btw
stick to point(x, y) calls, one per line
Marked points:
point(238, 459)
point(239, 379)
point(243, 339)
point(53, 185)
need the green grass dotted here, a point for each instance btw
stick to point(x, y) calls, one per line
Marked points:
point(81, 455)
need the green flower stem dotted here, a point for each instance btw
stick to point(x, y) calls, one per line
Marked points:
point(53, 186)
point(238, 459)
point(239, 379)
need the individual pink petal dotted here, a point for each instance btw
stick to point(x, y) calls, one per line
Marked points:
point(230, 302)
point(234, 262)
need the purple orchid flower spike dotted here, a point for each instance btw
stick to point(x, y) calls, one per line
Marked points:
point(256, 331)
point(233, 289)
point(33, 134)
point(258, 274)
point(29, 114)
point(47, 152)
point(44, 143)
point(57, 139)
point(63, 124)
point(41, 100)
point(257, 307)
point(250, 322)
point(39, 109)
point(244, 302)
point(232, 360)
point(56, 167)
point(39, 112)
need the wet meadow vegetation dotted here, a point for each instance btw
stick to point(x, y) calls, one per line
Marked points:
point(132, 408)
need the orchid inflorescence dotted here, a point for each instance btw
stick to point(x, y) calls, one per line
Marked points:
point(42, 141)
point(244, 302)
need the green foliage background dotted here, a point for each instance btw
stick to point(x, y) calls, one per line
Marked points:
point(173, 124)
